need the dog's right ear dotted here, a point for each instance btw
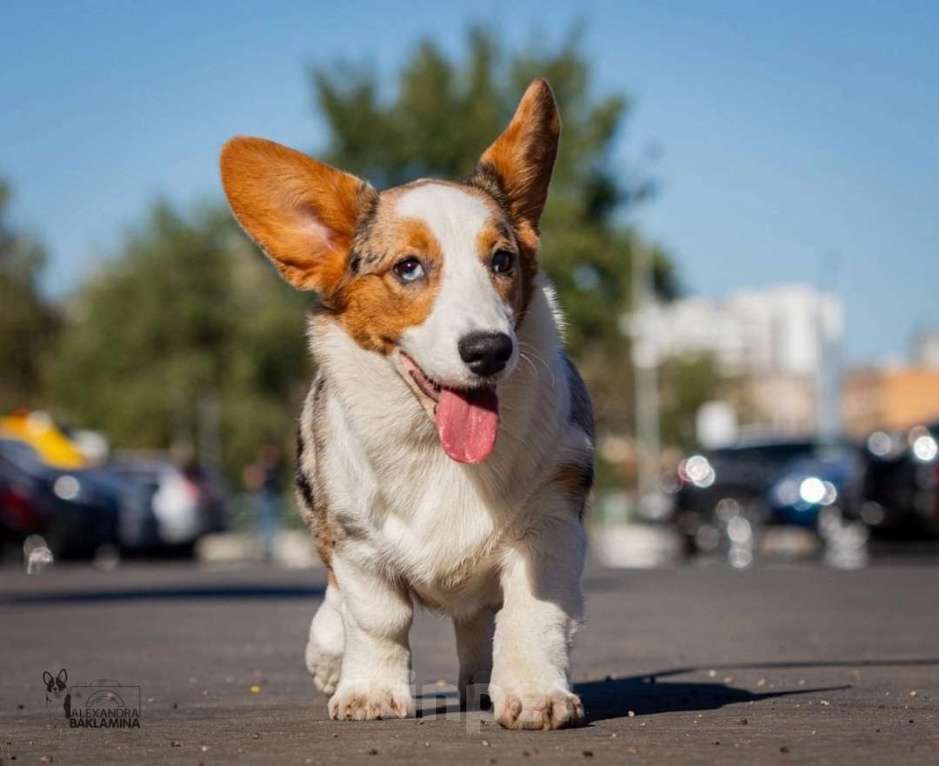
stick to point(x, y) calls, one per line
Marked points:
point(302, 213)
point(48, 679)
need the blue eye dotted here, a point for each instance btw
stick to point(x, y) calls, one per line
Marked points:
point(408, 270)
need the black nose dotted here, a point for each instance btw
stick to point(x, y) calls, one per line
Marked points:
point(485, 353)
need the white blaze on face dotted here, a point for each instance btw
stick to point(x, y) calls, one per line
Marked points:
point(467, 301)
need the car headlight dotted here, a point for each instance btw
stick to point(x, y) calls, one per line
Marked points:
point(67, 487)
point(699, 471)
point(884, 445)
point(923, 445)
point(816, 491)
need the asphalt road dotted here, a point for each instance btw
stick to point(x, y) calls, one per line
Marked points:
point(794, 664)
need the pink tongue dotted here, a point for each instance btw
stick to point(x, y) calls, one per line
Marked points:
point(467, 422)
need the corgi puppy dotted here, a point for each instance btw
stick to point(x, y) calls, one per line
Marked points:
point(445, 449)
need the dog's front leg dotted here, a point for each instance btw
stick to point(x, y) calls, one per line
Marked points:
point(530, 685)
point(376, 667)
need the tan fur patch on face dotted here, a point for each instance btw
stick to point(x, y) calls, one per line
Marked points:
point(373, 305)
point(376, 306)
point(496, 236)
point(522, 233)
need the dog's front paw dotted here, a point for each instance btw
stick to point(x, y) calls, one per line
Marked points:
point(365, 702)
point(528, 709)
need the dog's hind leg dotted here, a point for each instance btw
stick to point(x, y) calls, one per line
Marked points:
point(474, 648)
point(327, 640)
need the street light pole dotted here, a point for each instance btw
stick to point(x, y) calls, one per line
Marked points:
point(828, 344)
point(645, 357)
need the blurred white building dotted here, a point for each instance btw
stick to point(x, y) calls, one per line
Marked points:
point(780, 344)
point(783, 329)
point(926, 349)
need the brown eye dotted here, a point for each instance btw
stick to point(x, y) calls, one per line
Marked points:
point(409, 270)
point(502, 262)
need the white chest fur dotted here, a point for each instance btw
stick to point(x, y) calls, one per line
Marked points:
point(425, 518)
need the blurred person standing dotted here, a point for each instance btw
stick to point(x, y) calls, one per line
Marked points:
point(264, 480)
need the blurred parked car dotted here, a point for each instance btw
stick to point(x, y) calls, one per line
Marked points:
point(831, 477)
point(76, 511)
point(901, 493)
point(725, 496)
point(178, 505)
point(52, 446)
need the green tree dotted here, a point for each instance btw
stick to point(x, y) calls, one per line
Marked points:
point(443, 114)
point(185, 321)
point(686, 382)
point(27, 320)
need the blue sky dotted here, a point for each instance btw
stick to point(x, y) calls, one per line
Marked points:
point(791, 137)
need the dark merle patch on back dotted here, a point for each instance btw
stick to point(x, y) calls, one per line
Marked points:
point(581, 407)
point(303, 481)
point(586, 478)
point(352, 528)
point(355, 260)
point(318, 385)
point(306, 491)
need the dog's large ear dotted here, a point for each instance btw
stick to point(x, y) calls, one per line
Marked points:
point(522, 158)
point(302, 213)
point(48, 679)
point(62, 678)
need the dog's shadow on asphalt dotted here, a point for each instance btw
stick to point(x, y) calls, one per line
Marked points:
point(630, 696)
point(649, 694)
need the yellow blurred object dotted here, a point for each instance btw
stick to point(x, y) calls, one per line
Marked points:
point(38, 431)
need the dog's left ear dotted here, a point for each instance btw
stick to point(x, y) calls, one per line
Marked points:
point(522, 158)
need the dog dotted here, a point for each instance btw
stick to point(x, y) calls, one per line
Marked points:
point(445, 448)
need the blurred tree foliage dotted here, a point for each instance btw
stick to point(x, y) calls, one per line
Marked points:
point(445, 112)
point(186, 322)
point(187, 337)
point(27, 320)
point(687, 382)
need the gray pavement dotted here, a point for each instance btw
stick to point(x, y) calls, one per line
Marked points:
point(788, 664)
